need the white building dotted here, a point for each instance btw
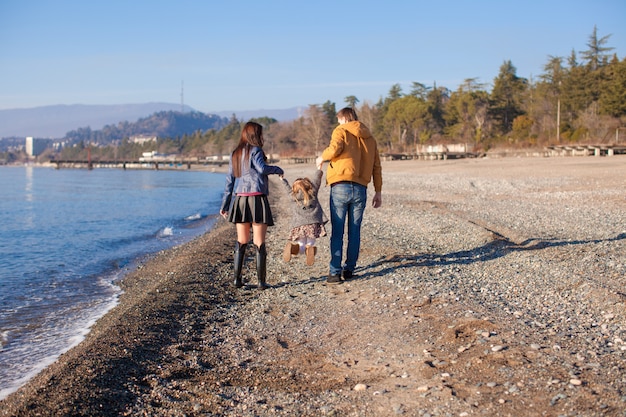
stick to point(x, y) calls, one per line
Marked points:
point(35, 147)
point(141, 139)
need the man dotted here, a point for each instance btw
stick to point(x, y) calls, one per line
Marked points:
point(353, 162)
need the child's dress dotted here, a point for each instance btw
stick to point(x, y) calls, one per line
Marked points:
point(307, 221)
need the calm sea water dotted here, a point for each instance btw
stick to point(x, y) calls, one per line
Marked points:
point(66, 236)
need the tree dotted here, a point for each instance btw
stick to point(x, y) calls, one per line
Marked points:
point(419, 90)
point(554, 71)
point(507, 97)
point(613, 96)
point(330, 111)
point(395, 92)
point(265, 121)
point(467, 113)
point(380, 128)
point(316, 127)
point(405, 118)
point(435, 100)
point(547, 97)
point(596, 56)
point(351, 101)
point(368, 114)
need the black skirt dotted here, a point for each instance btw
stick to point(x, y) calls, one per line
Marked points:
point(251, 209)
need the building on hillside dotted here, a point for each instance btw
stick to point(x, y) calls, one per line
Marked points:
point(35, 147)
point(141, 139)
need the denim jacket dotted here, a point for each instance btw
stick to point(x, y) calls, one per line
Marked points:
point(254, 177)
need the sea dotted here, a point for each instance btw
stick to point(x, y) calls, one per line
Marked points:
point(67, 236)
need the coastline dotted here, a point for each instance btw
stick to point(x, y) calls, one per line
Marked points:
point(446, 304)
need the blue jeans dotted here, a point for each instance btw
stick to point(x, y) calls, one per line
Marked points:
point(347, 202)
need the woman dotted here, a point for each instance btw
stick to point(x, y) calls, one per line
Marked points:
point(247, 181)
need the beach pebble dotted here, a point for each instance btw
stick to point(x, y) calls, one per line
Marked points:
point(541, 289)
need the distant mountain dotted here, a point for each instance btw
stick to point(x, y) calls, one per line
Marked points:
point(56, 121)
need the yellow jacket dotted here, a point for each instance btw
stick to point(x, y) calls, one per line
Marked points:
point(353, 156)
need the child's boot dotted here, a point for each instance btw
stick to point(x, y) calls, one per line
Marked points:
point(290, 249)
point(310, 252)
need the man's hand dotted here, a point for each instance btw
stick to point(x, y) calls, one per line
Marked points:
point(377, 201)
point(319, 162)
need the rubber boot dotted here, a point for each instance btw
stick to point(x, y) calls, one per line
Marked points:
point(261, 265)
point(240, 254)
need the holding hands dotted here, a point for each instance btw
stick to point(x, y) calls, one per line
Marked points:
point(319, 162)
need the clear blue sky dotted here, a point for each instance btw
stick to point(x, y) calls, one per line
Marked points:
point(249, 55)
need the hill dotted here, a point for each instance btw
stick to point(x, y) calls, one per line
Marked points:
point(164, 124)
point(56, 121)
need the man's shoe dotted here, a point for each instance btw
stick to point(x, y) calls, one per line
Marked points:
point(348, 275)
point(333, 279)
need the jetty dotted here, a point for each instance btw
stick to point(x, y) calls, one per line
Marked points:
point(585, 150)
point(186, 163)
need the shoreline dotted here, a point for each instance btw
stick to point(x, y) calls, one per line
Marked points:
point(30, 342)
point(421, 324)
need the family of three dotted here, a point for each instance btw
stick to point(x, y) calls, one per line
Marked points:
point(353, 162)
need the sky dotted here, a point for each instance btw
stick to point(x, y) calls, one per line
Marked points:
point(240, 55)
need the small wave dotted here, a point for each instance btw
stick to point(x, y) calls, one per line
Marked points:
point(28, 360)
point(166, 232)
point(196, 216)
point(4, 338)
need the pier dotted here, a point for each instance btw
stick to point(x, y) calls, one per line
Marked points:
point(136, 164)
point(585, 150)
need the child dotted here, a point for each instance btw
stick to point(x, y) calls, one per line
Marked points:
point(308, 217)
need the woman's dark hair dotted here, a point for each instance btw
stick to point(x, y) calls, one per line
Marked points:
point(251, 135)
point(347, 113)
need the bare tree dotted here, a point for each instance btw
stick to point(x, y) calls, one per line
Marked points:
point(316, 127)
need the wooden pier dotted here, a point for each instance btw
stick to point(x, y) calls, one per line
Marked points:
point(585, 150)
point(136, 164)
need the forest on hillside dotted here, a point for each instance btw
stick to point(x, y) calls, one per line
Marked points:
point(579, 99)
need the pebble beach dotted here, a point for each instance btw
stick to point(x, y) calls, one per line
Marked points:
point(491, 287)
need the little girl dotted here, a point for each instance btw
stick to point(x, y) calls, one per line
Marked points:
point(308, 217)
